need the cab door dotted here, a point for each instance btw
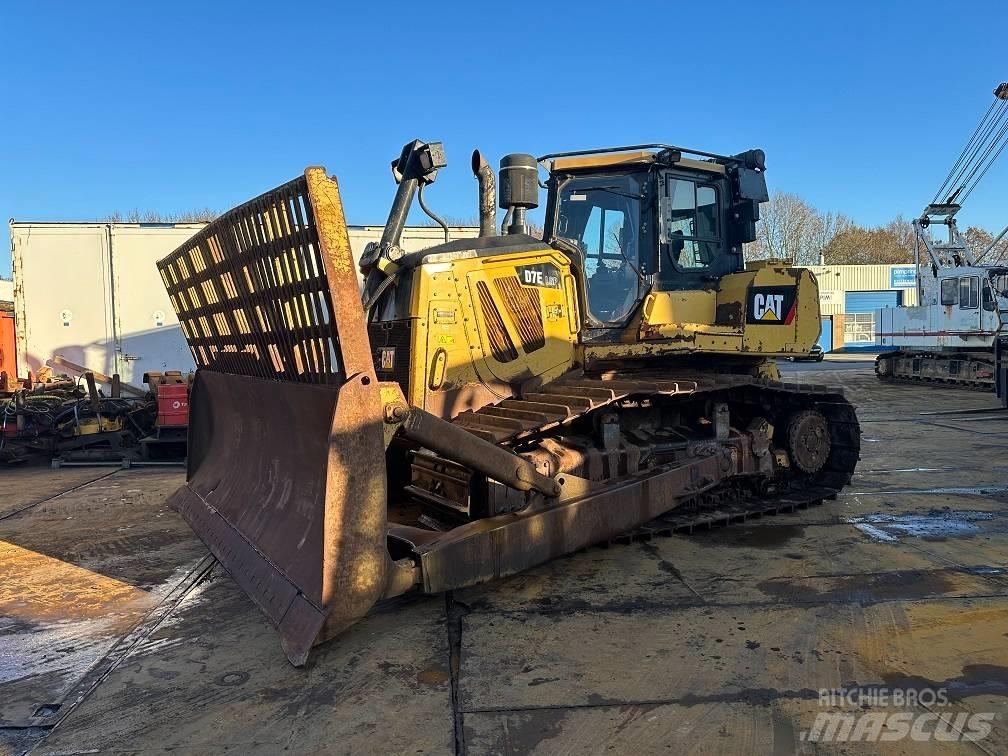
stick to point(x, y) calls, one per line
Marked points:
point(967, 318)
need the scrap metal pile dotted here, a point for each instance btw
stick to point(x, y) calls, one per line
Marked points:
point(73, 420)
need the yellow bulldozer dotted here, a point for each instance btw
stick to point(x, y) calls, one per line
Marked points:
point(487, 404)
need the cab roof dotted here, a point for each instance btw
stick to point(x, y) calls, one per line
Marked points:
point(620, 159)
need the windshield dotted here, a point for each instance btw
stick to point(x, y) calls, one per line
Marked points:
point(600, 215)
point(999, 280)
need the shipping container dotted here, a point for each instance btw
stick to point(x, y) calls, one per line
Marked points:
point(91, 293)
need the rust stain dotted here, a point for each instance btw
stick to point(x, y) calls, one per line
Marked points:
point(435, 674)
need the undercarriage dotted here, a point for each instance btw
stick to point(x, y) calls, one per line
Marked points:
point(689, 449)
point(966, 369)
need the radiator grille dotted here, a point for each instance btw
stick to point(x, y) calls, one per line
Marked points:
point(525, 309)
point(501, 346)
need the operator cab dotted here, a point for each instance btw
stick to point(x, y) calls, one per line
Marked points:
point(641, 220)
point(999, 282)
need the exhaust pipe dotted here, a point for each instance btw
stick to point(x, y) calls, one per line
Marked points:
point(487, 194)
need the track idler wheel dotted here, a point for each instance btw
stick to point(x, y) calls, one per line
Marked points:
point(808, 440)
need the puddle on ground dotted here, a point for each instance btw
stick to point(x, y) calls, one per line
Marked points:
point(934, 525)
point(768, 535)
point(988, 491)
point(903, 470)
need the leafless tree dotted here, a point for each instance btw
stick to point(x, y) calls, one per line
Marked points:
point(889, 244)
point(980, 239)
point(790, 229)
point(204, 215)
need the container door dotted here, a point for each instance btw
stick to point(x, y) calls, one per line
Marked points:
point(148, 336)
point(62, 297)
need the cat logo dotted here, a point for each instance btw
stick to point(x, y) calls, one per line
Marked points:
point(772, 304)
point(767, 306)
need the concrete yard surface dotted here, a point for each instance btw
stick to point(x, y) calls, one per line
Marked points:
point(119, 634)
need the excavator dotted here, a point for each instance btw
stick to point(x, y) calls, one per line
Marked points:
point(488, 404)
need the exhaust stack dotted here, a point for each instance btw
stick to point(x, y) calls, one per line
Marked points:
point(487, 194)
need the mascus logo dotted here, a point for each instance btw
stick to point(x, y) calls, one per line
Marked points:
point(772, 305)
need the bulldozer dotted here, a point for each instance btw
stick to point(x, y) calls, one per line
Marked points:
point(467, 411)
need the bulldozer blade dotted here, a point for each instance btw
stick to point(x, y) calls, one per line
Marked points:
point(286, 469)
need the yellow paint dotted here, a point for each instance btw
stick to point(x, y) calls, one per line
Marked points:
point(451, 346)
point(329, 220)
point(391, 395)
point(679, 307)
point(607, 160)
point(91, 425)
point(714, 321)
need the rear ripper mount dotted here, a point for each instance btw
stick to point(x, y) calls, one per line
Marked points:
point(295, 477)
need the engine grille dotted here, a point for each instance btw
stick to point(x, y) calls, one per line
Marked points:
point(525, 309)
point(501, 346)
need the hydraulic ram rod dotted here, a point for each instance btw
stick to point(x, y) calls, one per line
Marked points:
point(459, 445)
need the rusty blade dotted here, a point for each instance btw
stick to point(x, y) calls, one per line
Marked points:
point(286, 481)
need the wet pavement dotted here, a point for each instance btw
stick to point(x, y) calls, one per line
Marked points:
point(117, 633)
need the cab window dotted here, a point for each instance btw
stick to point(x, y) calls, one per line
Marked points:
point(689, 229)
point(989, 303)
point(969, 292)
point(949, 291)
point(601, 216)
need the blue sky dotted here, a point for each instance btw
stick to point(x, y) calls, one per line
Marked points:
point(860, 106)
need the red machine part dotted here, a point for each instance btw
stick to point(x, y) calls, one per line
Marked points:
point(173, 405)
point(8, 361)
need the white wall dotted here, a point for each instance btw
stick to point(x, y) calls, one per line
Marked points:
point(6, 290)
